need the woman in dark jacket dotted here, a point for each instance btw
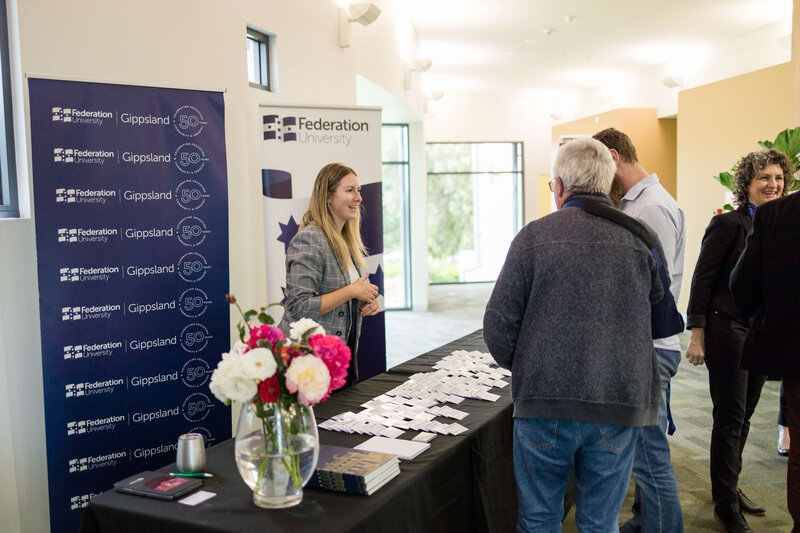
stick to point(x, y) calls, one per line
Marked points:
point(718, 331)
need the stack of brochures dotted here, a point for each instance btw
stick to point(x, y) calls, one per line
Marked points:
point(350, 470)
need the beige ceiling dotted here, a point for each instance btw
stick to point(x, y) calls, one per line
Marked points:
point(500, 45)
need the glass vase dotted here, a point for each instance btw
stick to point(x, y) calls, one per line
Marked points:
point(276, 451)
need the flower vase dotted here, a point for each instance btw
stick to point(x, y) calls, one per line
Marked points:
point(276, 451)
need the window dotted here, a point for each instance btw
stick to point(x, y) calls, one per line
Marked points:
point(9, 206)
point(474, 208)
point(259, 59)
point(396, 246)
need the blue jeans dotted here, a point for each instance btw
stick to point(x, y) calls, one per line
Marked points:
point(545, 450)
point(656, 507)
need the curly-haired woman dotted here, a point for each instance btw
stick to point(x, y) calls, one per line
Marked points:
point(718, 331)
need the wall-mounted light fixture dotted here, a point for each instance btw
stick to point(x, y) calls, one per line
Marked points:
point(420, 65)
point(671, 82)
point(365, 14)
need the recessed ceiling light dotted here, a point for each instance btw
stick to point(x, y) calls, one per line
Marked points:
point(548, 31)
point(569, 18)
point(530, 41)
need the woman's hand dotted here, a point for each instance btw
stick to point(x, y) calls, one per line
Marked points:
point(362, 290)
point(696, 352)
point(370, 308)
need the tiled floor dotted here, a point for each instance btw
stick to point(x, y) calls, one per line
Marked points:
point(456, 310)
point(453, 311)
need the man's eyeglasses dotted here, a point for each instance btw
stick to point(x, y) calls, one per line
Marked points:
point(552, 183)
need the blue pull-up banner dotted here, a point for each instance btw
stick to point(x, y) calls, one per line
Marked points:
point(130, 192)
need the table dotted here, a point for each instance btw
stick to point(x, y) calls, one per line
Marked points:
point(462, 483)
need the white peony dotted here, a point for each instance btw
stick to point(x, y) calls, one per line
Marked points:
point(309, 378)
point(239, 348)
point(299, 328)
point(230, 382)
point(259, 364)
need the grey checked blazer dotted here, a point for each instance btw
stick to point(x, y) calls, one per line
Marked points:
point(313, 269)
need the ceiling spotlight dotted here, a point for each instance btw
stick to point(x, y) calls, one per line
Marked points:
point(548, 31)
point(365, 14)
point(420, 65)
point(671, 82)
point(569, 18)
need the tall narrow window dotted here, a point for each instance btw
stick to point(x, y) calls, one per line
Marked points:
point(9, 206)
point(258, 59)
point(396, 247)
point(474, 208)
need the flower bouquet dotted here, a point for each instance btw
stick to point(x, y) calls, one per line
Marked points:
point(278, 379)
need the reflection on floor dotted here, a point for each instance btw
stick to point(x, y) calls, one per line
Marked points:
point(456, 310)
point(453, 311)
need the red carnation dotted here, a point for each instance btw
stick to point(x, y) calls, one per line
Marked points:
point(269, 390)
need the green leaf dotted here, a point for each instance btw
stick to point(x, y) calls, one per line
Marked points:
point(728, 207)
point(241, 332)
point(788, 142)
point(726, 179)
point(248, 315)
point(266, 319)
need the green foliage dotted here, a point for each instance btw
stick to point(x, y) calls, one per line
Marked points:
point(726, 179)
point(788, 142)
point(442, 270)
point(449, 215)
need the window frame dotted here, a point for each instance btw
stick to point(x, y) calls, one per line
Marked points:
point(406, 214)
point(265, 61)
point(9, 199)
point(517, 168)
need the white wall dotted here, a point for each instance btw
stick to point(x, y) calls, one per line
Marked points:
point(473, 117)
point(175, 43)
point(753, 51)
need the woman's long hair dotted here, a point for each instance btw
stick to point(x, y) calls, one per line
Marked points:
point(346, 243)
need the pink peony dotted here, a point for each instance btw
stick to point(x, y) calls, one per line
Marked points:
point(336, 356)
point(309, 378)
point(269, 333)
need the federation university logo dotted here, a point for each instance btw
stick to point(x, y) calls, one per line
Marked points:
point(63, 155)
point(66, 196)
point(73, 352)
point(76, 428)
point(69, 274)
point(280, 129)
point(67, 235)
point(80, 501)
point(73, 390)
point(70, 313)
point(62, 114)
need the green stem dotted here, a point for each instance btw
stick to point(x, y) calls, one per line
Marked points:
point(292, 464)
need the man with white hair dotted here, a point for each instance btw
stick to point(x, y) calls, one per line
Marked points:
point(572, 315)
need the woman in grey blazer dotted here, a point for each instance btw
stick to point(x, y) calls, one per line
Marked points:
point(326, 277)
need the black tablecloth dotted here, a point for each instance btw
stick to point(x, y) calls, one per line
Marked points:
point(462, 483)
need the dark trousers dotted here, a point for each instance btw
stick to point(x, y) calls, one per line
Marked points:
point(792, 394)
point(734, 393)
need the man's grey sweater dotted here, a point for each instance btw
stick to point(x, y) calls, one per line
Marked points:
point(570, 317)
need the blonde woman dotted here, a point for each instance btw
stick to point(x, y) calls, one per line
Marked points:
point(326, 277)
